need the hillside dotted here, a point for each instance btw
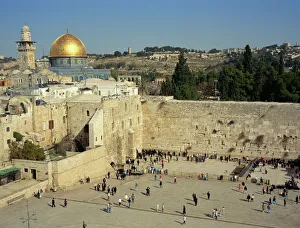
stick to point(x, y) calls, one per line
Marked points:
point(131, 65)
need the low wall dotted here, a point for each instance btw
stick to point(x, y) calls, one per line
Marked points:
point(28, 192)
point(92, 163)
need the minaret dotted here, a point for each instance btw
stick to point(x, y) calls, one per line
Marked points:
point(26, 49)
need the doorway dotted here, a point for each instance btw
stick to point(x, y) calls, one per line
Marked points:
point(33, 174)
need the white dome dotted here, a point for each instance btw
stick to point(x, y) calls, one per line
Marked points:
point(14, 72)
point(27, 72)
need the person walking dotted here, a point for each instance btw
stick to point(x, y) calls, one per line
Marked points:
point(196, 201)
point(136, 187)
point(175, 180)
point(132, 198)
point(263, 207)
point(160, 184)
point(162, 208)
point(269, 208)
point(120, 202)
point(208, 195)
point(284, 202)
point(84, 225)
point(223, 211)
point(184, 210)
point(53, 202)
point(184, 219)
point(248, 197)
point(274, 200)
point(65, 203)
point(297, 199)
point(129, 202)
point(108, 196)
point(157, 207)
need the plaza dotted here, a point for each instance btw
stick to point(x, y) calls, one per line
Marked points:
point(86, 204)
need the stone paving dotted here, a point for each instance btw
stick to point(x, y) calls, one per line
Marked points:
point(86, 204)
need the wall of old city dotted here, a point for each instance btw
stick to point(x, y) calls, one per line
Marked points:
point(236, 128)
point(122, 127)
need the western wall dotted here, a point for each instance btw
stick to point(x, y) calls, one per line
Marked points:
point(262, 129)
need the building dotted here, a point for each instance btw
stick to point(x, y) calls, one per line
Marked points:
point(68, 56)
point(26, 49)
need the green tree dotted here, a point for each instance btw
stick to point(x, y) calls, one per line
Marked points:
point(281, 65)
point(117, 54)
point(247, 61)
point(28, 151)
point(183, 81)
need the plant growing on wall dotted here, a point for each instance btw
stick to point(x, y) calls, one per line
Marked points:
point(259, 140)
point(230, 150)
point(241, 136)
point(231, 122)
point(246, 141)
point(18, 136)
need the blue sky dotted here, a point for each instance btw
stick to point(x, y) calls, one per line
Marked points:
point(106, 26)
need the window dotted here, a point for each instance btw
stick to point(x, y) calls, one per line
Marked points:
point(130, 122)
point(196, 127)
point(137, 107)
point(25, 122)
point(86, 128)
point(96, 139)
point(25, 170)
point(138, 119)
point(113, 125)
point(125, 107)
point(64, 119)
point(123, 124)
point(44, 126)
point(51, 124)
point(7, 129)
point(8, 141)
point(101, 137)
point(87, 113)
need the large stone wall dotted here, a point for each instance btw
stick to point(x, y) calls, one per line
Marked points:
point(237, 128)
point(122, 127)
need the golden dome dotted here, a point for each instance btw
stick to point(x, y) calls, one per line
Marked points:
point(67, 45)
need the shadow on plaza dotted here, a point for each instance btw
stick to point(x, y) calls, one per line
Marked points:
point(177, 213)
point(178, 222)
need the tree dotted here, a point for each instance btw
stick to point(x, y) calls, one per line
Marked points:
point(28, 151)
point(247, 61)
point(117, 54)
point(183, 81)
point(281, 64)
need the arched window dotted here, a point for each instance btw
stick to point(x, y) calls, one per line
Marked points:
point(87, 113)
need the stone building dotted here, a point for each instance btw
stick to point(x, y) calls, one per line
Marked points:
point(26, 48)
